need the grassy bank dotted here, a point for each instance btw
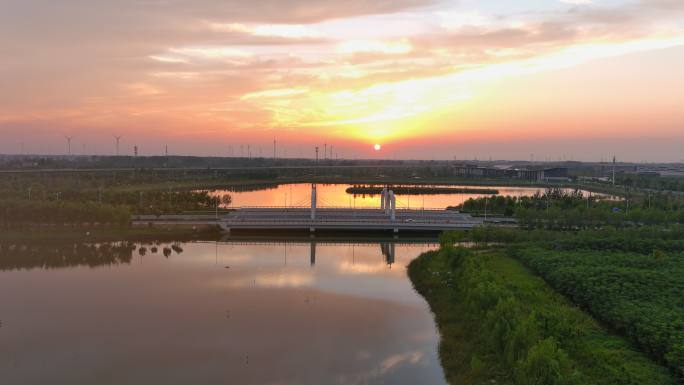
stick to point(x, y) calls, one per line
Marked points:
point(500, 322)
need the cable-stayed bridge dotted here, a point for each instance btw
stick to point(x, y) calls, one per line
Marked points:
point(335, 219)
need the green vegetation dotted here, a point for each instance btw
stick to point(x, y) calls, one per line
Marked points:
point(113, 209)
point(19, 213)
point(562, 210)
point(500, 322)
point(640, 295)
point(654, 182)
point(58, 200)
point(631, 279)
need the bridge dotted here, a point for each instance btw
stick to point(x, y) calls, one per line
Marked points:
point(386, 218)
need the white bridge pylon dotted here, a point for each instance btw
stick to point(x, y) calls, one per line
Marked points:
point(388, 203)
point(313, 201)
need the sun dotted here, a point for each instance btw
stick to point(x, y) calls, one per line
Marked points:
point(377, 147)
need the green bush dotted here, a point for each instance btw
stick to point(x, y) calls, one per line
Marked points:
point(546, 364)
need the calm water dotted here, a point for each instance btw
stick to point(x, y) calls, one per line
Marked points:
point(214, 313)
point(335, 195)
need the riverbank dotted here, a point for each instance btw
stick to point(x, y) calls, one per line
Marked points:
point(500, 322)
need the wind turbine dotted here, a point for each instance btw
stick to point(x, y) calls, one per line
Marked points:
point(68, 139)
point(118, 138)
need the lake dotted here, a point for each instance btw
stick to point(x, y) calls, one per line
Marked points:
point(232, 311)
point(335, 195)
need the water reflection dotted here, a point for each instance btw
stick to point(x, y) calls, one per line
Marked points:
point(312, 311)
point(53, 255)
point(62, 254)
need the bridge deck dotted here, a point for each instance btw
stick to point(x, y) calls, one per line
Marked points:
point(339, 219)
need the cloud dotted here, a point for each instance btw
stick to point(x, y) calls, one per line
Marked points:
point(275, 93)
point(372, 46)
point(288, 31)
point(577, 2)
point(275, 64)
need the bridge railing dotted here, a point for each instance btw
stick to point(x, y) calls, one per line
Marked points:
point(337, 208)
point(344, 220)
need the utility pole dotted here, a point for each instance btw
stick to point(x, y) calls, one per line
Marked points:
point(274, 149)
point(613, 170)
point(588, 199)
point(547, 204)
point(118, 139)
point(316, 155)
point(627, 200)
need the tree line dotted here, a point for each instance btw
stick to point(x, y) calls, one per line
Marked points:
point(115, 208)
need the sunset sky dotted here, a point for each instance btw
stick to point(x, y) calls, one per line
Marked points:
point(430, 79)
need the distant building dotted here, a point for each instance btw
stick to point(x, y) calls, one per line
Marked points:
point(667, 170)
point(473, 171)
